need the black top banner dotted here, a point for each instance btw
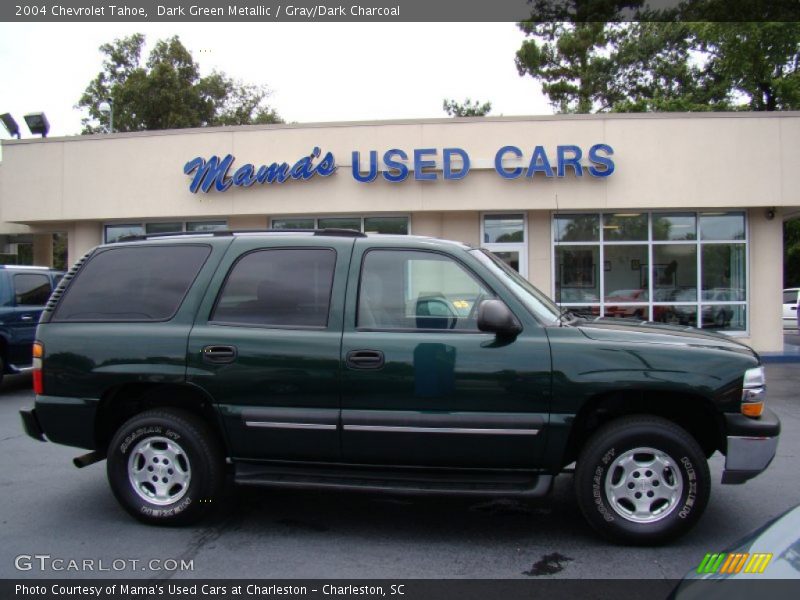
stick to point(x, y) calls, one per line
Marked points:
point(223, 11)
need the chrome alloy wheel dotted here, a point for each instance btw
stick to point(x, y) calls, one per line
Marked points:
point(643, 485)
point(159, 470)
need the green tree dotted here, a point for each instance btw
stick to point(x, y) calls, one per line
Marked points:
point(663, 66)
point(791, 253)
point(167, 91)
point(466, 109)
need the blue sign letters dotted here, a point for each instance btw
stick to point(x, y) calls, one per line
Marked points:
point(397, 167)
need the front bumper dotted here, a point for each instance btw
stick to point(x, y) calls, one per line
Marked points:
point(31, 425)
point(751, 445)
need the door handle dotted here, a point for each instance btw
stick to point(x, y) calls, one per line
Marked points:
point(218, 354)
point(365, 359)
point(26, 318)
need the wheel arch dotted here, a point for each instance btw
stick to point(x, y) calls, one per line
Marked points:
point(694, 413)
point(123, 402)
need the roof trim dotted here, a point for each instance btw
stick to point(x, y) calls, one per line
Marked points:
point(433, 121)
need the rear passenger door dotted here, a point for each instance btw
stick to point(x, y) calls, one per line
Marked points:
point(266, 343)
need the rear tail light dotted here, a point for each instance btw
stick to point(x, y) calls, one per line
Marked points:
point(754, 392)
point(38, 357)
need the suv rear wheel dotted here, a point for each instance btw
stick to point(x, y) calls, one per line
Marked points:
point(165, 467)
point(642, 480)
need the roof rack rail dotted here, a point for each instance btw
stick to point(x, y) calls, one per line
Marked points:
point(231, 232)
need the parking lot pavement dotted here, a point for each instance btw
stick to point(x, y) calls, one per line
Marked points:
point(49, 507)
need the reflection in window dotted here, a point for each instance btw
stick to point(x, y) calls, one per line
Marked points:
point(675, 267)
point(727, 317)
point(503, 229)
point(116, 232)
point(278, 288)
point(576, 273)
point(690, 268)
point(412, 290)
point(724, 274)
point(577, 228)
point(31, 289)
point(677, 226)
point(340, 223)
point(163, 227)
point(625, 227)
point(510, 258)
point(393, 225)
point(206, 225)
point(722, 226)
point(625, 273)
point(685, 315)
point(293, 223)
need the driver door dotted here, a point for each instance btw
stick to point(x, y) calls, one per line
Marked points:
point(421, 385)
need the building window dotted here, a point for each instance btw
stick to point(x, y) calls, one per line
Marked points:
point(686, 268)
point(505, 235)
point(115, 232)
point(391, 225)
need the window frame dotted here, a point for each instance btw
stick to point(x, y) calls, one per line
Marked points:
point(521, 247)
point(113, 248)
point(650, 242)
point(211, 321)
point(470, 273)
point(361, 216)
point(14, 287)
point(143, 224)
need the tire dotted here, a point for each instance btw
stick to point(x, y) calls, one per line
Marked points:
point(649, 456)
point(172, 446)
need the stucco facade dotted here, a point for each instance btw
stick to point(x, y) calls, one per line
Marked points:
point(671, 164)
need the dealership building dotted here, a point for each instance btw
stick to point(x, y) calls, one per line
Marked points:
point(672, 217)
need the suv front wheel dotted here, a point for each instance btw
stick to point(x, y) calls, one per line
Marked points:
point(642, 480)
point(165, 467)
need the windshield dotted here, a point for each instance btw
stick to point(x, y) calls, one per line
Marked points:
point(539, 304)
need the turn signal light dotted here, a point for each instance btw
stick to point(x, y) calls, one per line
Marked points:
point(752, 409)
point(38, 356)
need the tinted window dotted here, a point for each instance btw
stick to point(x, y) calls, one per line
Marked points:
point(31, 289)
point(790, 297)
point(141, 283)
point(278, 288)
point(402, 289)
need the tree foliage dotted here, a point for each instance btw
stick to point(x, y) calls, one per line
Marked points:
point(791, 253)
point(466, 109)
point(167, 92)
point(663, 66)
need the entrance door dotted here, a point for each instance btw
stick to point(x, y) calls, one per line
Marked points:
point(421, 385)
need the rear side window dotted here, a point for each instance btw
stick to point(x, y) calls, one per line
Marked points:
point(278, 288)
point(31, 289)
point(136, 283)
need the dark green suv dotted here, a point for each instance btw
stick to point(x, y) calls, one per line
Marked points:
point(337, 360)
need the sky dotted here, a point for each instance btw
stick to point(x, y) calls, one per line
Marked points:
point(317, 71)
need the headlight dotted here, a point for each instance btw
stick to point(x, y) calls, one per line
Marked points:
point(754, 392)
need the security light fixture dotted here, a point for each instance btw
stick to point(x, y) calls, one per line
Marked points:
point(38, 123)
point(10, 124)
point(107, 108)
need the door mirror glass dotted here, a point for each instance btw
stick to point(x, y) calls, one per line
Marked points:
point(495, 317)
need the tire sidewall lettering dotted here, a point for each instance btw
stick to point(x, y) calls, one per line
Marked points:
point(691, 486)
point(130, 440)
point(598, 484)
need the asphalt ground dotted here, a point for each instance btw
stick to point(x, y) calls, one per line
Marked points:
point(48, 507)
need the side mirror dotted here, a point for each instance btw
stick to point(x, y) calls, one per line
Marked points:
point(495, 317)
